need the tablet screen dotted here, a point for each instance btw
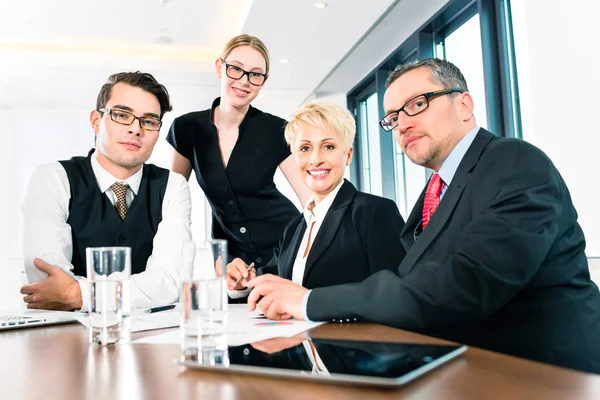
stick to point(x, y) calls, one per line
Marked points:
point(342, 360)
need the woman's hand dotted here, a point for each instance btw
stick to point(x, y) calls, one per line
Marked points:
point(238, 272)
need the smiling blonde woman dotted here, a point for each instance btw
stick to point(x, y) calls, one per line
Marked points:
point(343, 235)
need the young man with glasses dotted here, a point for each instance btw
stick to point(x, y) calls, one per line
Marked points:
point(109, 198)
point(494, 254)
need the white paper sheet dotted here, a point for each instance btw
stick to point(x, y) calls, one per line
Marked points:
point(243, 327)
point(141, 321)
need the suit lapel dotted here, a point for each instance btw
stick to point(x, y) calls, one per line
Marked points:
point(330, 225)
point(447, 204)
point(288, 259)
point(407, 236)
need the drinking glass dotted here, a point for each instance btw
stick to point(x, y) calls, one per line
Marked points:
point(108, 272)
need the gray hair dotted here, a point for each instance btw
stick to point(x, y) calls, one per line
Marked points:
point(442, 72)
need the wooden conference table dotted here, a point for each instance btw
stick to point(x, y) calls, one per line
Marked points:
point(58, 363)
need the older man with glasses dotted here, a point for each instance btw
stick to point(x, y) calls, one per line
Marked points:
point(494, 254)
point(109, 198)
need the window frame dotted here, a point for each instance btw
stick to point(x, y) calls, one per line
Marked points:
point(500, 75)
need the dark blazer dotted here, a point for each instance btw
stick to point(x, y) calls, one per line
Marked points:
point(501, 265)
point(353, 242)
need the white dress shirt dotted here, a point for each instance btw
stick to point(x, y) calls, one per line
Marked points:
point(47, 235)
point(316, 216)
point(451, 163)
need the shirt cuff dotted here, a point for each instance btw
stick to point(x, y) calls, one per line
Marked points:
point(84, 286)
point(238, 294)
point(305, 305)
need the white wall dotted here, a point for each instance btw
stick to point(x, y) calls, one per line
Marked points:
point(557, 61)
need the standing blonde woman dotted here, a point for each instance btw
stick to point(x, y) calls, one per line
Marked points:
point(234, 150)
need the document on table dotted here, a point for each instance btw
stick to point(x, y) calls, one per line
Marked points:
point(243, 327)
point(141, 321)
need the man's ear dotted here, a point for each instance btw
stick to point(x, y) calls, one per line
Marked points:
point(466, 106)
point(95, 117)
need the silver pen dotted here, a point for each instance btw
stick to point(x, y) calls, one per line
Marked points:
point(241, 277)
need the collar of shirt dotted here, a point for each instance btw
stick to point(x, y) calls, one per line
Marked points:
point(105, 179)
point(451, 163)
point(320, 209)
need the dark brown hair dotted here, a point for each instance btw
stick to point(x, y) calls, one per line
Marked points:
point(140, 80)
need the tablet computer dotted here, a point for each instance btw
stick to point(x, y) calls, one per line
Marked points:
point(340, 361)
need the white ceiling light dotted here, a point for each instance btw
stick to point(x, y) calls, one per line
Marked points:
point(284, 60)
point(163, 37)
point(163, 40)
point(319, 4)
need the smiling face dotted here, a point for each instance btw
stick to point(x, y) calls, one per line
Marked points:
point(122, 149)
point(321, 157)
point(428, 138)
point(239, 93)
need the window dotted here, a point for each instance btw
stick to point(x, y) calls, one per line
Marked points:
point(462, 47)
point(370, 146)
point(411, 179)
point(456, 33)
point(568, 136)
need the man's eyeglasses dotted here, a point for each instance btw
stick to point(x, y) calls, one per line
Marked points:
point(235, 72)
point(414, 106)
point(127, 118)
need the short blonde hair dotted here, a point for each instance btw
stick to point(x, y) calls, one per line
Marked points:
point(323, 116)
point(247, 40)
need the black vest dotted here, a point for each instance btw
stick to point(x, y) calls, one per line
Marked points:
point(95, 222)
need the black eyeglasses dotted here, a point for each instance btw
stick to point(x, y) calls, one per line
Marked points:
point(127, 118)
point(414, 106)
point(235, 72)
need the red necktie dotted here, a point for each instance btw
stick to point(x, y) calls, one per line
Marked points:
point(432, 198)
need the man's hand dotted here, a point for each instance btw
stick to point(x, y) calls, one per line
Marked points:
point(277, 298)
point(278, 344)
point(59, 291)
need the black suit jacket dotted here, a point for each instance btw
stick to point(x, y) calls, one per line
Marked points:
point(359, 236)
point(501, 264)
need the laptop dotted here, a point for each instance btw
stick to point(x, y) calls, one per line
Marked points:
point(379, 364)
point(30, 319)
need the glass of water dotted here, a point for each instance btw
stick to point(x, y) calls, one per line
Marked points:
point(203, 299)
point(108, 272)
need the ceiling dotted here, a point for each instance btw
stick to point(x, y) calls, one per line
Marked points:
point(57, 53)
